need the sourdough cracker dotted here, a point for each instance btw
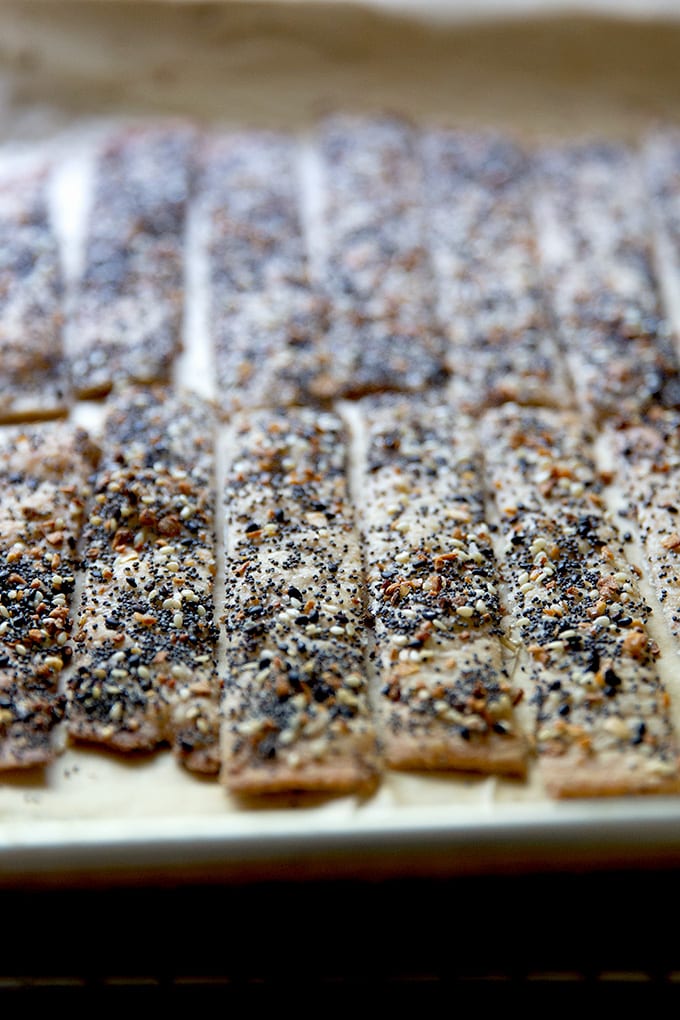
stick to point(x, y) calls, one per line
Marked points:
point(44, 476)
point(144, 665)
point(295, 712)
point(576, 612)
point(444, 698)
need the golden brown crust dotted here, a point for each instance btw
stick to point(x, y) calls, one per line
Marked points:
point(615, 775)
point(347, 769)
point(447, 751)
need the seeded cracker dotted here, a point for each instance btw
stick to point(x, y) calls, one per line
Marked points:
point(32, 376)
point(145, 647)
point(603, 725)
point(595, 233)
point(296, 713)
point(377, 272)
point(661, 165)
point(43, 478)
point(127, 316)
point(444, 699)
point(649, 457)
point(266, 323)
point(502, 343)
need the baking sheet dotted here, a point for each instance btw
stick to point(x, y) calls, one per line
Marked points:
point(67, 71)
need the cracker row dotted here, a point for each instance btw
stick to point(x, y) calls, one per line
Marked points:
point(144, 665)
point(266, 324)
point(502, 344)
point(602, 714)
point(444, 698)
point(32, 372)
point(595, 232)
point(44, 482)
point(296, 712)
point(126, 319)
point(375, 269)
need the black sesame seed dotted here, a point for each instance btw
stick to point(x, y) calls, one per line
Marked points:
point(639, 733)
point(611, 678)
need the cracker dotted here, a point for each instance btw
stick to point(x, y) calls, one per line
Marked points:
point(648, 455)
point(376, 269)
point(266, 323)
point(44, 482)
point(595, 234)
point(126, 321)
point(502, 343)
point(602, 716)
point(444, 697)
point(144, 665)
point(661, 165)
point(33, 383)
point(296, 711)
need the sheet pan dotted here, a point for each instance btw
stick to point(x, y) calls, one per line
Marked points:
point(65, 71)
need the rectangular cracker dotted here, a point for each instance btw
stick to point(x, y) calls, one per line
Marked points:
point(603, 725)
point(648, 455)
point(266, 323)
point(595, 236)
point(444, 700)
point(661, 167)
point(33, 381)
point(502, 343)
point(126, 321)
point(44, 483)
point(296, 713)
point(144, 666)
point(376, 269)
